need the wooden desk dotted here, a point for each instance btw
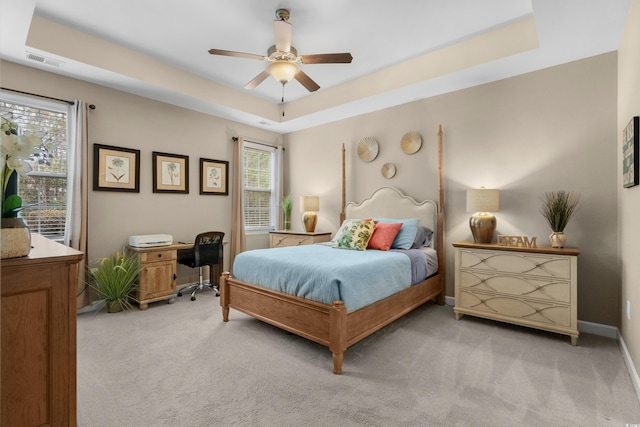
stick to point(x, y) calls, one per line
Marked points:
point(158, 272)
point(158, 268)
point(38, 359)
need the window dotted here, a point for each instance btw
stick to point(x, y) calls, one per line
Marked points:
point(261, 168)
point(44, 189)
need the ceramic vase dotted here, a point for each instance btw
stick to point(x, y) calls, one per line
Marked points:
point(16, 238)
point(557, 239)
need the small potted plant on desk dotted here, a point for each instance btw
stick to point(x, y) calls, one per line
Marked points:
point(558, 207)
point(114, 280)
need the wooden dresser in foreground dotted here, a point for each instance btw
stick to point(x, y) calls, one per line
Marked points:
point(535, 287)
point(38, 385)
point(280, 238)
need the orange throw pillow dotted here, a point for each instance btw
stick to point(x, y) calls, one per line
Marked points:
point(383, 235)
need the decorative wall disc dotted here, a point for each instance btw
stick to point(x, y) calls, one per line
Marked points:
point(388, 170)
point(368, 149)
point(411, 142)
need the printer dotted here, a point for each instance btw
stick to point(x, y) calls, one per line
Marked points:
point(150, 240)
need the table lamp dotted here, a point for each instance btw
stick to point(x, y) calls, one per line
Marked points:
point(483, 201)
point(309, 205)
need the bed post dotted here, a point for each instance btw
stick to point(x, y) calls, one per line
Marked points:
point(338, 334)
point(342, 213)
point(224, 296)
point(440, 219)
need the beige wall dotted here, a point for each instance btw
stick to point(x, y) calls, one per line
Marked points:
point(629, 198)
point(552, 129)
point(125, 120)
point(548, 130)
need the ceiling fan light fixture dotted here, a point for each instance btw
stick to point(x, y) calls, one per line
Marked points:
point(283, 71)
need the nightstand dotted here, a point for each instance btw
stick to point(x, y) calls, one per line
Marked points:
point(534, 287)
point(281, 238)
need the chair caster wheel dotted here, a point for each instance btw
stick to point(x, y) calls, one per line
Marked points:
point(193, 298)
point(179, 294)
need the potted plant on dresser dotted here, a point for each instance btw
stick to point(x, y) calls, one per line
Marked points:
point(114, 280)
point(558, 207)
point(286, 208)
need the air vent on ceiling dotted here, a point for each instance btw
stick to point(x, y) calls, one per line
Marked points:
point(44, 60)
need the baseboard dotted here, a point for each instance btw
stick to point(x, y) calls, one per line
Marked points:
point(598, 329)
point(633, 373)
point(94, 306)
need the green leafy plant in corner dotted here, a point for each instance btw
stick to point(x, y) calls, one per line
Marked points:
point(286, 208)
point(114, 280)
point(558, 207)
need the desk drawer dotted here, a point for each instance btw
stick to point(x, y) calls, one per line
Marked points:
point(160, 255)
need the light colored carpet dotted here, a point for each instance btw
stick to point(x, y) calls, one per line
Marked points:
point(180, 365)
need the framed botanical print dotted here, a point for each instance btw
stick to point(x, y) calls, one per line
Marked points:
point(170, 173)
point(214, 177)
point(630, 148)
point(116, 169)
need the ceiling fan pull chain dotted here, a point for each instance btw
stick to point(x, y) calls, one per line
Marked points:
point(283, 100)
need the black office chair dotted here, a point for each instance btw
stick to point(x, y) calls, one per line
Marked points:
point(207, 250)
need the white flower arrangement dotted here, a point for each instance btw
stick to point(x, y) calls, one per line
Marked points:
point(17, 149)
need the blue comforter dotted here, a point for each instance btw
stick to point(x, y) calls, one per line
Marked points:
point(325, 274)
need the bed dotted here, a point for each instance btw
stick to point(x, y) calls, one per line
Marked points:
point(332, 324)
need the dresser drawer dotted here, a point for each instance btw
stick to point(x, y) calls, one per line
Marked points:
point(518, 263)
point(552, 290)
point(513, 308)
point(281, 240)
point(290, 238)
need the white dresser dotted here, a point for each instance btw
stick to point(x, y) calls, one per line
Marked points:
point(535, 287)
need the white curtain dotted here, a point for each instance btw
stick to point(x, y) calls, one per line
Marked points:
point(279, 159)
point(77, 193)
point(238, 237)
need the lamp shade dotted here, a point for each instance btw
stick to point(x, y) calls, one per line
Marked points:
point(310, 203)
point(283, 71)
point(483, 200)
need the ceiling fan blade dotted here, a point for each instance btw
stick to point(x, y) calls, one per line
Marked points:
point(257, 80)
point(282, 30)
point(327, 58)
point(306, 81)
point(236, 54)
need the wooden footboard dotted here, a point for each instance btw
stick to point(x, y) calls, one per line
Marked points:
point(326, 324)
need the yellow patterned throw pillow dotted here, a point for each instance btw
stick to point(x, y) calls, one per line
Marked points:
point(355, 235)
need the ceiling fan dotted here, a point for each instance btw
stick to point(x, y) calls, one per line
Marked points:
point(284, 59)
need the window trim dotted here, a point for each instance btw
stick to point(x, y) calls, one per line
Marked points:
point(56, 106)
